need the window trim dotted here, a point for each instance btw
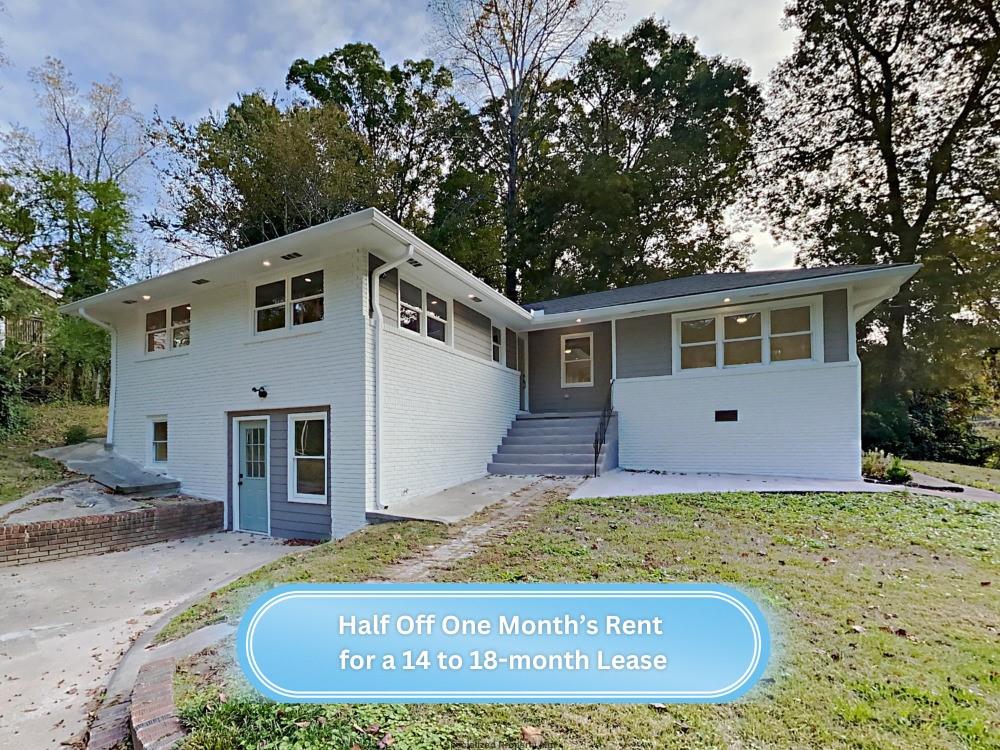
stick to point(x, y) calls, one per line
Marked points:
point(496, 346)
point(151, 441)
point(293, 496)
point(562, 359)
point(449, 324)
point(167, 308)
point(288, 304)
point(813, 302)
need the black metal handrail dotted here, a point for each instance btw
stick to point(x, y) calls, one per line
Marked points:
point(602, 427)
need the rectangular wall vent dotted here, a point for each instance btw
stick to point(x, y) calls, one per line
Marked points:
point(414, 262)
point(129, 301)
point(200, 281)
point(291, 256)
point(727, 415)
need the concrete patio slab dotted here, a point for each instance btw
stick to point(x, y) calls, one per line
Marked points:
point(455, 503)
point(69, 500)
point(105, 467)
point(621, 483)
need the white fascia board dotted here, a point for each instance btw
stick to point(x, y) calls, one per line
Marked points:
point(886, 280)
point(219, 265)
point(479, 287)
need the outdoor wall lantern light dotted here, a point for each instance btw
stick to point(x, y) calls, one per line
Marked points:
point(261, 391)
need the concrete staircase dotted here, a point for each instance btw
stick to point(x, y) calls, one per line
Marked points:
point(555, 444)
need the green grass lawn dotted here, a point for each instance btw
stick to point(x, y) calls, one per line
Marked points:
point(972, 476)
point(884, 632)
point(20, 472)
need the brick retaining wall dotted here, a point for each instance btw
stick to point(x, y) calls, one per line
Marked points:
point(153, 719)
point(86, 535)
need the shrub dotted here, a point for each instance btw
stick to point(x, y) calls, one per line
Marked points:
point(897, 473)
point(76, 433)
point(13, 416)
point(875, 464)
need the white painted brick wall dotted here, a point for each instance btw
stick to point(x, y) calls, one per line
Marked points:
point(215, 374)
point(792, 422)
point(443, 414)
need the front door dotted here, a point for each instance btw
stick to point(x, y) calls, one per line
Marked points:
point(252, 477)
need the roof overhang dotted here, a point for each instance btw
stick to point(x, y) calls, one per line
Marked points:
point(368, 230)
point(869, 288)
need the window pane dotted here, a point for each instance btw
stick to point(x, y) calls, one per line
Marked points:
point(309, 478)
point(790, 320)
point(160, 431)
point(577, 349)
point(496, 337)
point(156, 342)
point(437, 306)
point(693, 357)
point(307, 312)
point(784, 348)
point(409, 319)
point(496, 353)
point(696, 331)
point(436, 329)
point(180, 315)
point(159, 452)
point(156, 320)
point(270, 294)
point(410, 294)
point(308, 437)
point(182, 336)
point(271, 318)
point(578, 372)
point(742, 326)
point(307, 285)
point(742, 352)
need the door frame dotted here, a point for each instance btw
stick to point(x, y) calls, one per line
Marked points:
point(234, 478)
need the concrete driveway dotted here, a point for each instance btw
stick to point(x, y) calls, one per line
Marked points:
point(65, 624)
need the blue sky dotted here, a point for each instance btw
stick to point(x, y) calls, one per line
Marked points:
point(186, 57)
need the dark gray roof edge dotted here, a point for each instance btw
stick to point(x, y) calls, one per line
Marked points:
point(684, 286)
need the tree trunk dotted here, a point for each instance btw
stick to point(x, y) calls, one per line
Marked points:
point(510, 200)
point(893, 374)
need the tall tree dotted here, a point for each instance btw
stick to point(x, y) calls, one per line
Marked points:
point(882, 147)
point(403, 113)
point(254, 173)
point(510, 50)
point(654, 146)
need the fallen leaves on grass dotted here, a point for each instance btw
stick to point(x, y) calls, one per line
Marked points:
point(531, 736)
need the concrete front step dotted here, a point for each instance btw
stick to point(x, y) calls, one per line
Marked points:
point(558, 415)
point(571, 470)
point(546, 447)
point(576, 432)
point(580, 440)
point(544, 458)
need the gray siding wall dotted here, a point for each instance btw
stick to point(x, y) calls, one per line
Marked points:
point(836, 326)
point(288, 520)
point(544, 362)
point(472, 331)
point(388, 290)
point(644, 347)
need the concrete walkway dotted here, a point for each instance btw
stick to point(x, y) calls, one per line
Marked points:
point(620, 483)
point(455, 503)
point(65, 624)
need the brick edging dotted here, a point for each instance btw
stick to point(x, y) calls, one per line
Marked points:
point(110, 727)
point(153, 715)
point(39, 541)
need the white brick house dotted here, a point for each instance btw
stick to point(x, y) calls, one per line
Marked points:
point(274, 379)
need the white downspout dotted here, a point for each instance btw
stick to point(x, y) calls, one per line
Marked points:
point(377, 322)
point(109, 441)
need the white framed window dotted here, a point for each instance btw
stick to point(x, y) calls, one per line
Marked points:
point(307, 457)
point(496, 336)
point(577, 358)
point(169, 328)
point(288, 302)
point(424, 312)
point(159, 440)
point(752, 335)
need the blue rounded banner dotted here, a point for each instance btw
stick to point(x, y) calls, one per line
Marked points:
point(503, 643)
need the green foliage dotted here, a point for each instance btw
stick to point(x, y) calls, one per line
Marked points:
point(13, 416)
point(653, 147)
point(897, 473)
point(931, 426)
point(76, 433)
point(875, 464)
